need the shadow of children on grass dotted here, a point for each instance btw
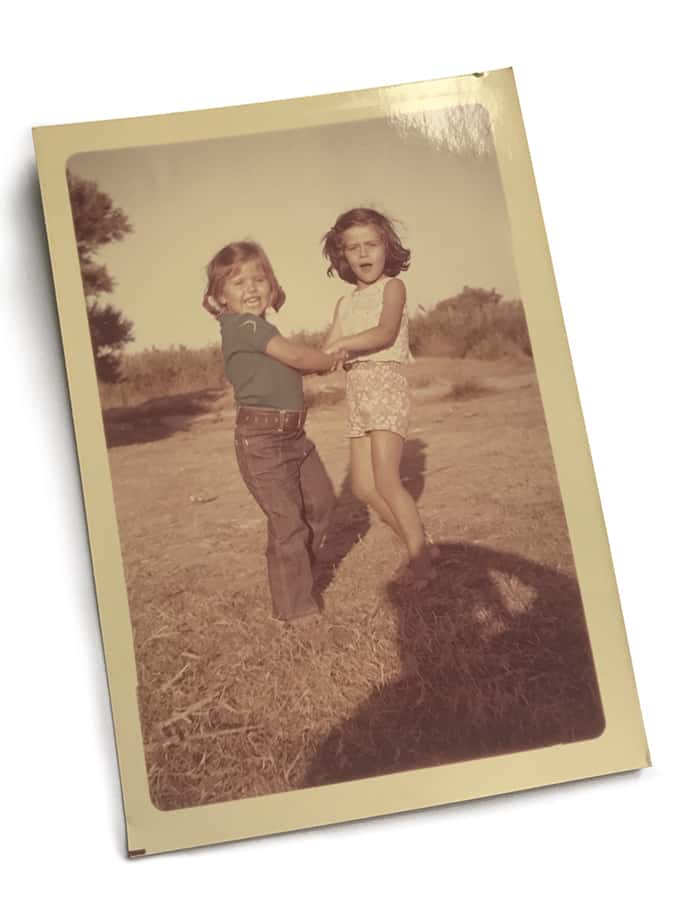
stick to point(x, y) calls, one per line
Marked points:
point(158, 419)
point(495, 659)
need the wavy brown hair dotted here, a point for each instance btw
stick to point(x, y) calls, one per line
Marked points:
point(230, 258)
point(397, 257)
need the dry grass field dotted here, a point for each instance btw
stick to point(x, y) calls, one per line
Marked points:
point(494, 658)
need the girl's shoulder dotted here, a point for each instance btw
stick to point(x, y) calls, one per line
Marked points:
point(394, 284)
point(394, 288)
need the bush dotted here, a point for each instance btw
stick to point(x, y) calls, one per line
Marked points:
point(484, 329)
point(160, 373)
point(313, 339)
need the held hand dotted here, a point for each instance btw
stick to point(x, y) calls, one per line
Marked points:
point(334, 347)
point(339, 357)
point(333, 362)
point(212, 306)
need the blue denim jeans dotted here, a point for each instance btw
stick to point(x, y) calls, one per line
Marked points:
point(284, 473)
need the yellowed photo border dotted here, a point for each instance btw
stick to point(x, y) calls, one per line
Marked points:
point(622, 746)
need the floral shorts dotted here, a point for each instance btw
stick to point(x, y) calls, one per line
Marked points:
point(378, 398)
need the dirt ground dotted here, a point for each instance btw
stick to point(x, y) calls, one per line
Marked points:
point(494, 659)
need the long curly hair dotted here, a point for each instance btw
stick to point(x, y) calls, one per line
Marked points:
point(229, 259)
point(397, 257)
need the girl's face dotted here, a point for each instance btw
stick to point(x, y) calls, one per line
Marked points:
point(248, 290)
point(364, 250)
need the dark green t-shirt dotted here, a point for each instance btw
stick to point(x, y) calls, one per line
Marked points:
point(258, 379)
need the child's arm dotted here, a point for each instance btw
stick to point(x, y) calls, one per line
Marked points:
point(385, 332)
point(334, 333)
point(299, 356)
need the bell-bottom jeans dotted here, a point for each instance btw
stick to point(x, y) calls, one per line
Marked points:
point(284, 473)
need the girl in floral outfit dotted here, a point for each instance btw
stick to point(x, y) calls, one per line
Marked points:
point(371, 325)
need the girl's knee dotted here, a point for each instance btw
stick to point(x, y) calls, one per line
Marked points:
point(362, 492)
point(388, 488)
point(372, 499)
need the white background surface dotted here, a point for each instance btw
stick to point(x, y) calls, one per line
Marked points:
point(596, 88)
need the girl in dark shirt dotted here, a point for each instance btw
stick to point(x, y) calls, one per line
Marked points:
point(279, 464)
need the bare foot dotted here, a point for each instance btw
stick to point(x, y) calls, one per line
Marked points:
point(417, 572)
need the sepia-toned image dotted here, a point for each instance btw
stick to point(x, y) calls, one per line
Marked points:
point(481, 648)
point(339, 545)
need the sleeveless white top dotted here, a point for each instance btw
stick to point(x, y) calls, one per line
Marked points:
point(360, 310)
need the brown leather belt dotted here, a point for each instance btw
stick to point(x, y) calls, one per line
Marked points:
point(275, 419)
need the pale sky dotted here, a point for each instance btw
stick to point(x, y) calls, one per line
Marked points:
point(435, 173)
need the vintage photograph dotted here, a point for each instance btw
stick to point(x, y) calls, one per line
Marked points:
point(344, 542)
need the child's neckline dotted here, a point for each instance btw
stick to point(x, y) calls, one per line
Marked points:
point(358, 290)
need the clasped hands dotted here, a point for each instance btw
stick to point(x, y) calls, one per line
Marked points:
point(339, 353)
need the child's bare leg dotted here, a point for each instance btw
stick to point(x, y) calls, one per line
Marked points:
point(363, 482)
point(386, 450)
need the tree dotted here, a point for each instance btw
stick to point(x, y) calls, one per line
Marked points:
point(97, 222)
